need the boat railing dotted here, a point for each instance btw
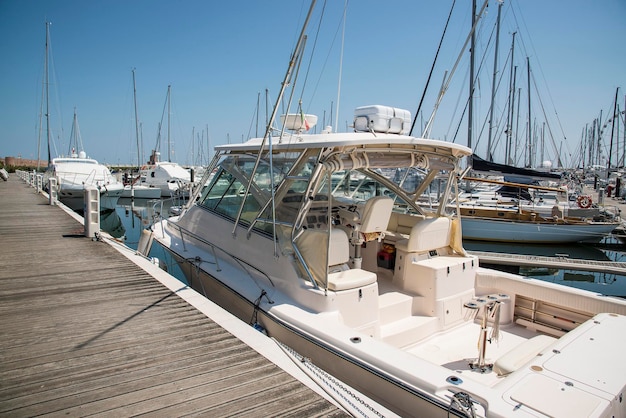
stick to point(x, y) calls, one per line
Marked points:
point(247, 267)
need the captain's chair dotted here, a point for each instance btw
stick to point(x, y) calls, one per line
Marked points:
point(340, 276)
point(376, 215)
point(312, 245)
point(372, 224)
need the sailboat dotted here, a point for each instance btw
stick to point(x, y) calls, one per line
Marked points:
point(490, 219)
point(137, 188)
point(305, 238)
point(169, 177)
point(509, 213)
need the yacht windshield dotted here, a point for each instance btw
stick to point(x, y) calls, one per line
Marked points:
point(308, 191)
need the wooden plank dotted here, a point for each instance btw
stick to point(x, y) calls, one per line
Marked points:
point(555, 262)
point(87, 332)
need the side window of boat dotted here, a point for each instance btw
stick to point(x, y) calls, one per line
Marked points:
point(225, 197)
point(218, 190)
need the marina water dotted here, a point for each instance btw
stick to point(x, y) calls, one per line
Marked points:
point(131, 216)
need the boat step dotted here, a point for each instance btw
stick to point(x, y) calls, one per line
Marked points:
point(409, 330)
point(393, 306)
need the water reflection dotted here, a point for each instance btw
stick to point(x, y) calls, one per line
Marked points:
point(130, 217)
point(606, 283)
point(111, 222)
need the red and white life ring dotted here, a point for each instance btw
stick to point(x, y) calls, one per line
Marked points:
point(584, 202)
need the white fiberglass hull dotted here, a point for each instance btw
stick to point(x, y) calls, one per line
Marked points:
point(344, 366)
point(416, 378)
point(74, 197)
point(141, 192)
point(74, 174)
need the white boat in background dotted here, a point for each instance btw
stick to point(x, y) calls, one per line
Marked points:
point(170, 178)
point(76, 172)
point(140, 191)
point(506, 211)
point(303, 236)
point(135, 187)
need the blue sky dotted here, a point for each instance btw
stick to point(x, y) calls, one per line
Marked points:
point(219, 57)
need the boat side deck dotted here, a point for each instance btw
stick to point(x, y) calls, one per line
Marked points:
point(85, 331)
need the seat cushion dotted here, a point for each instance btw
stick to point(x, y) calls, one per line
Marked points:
point(522, 354)
point(350, 279)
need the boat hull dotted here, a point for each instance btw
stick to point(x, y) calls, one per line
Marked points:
point(480, 229)
point(74, 198)
point(142, 192)
point(374, 383)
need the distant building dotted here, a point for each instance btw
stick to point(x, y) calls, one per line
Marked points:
point(15, 162)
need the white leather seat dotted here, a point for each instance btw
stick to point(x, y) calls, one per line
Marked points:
point(376, 214)
point(340, 276)
point(426, 235)
point(312, 245)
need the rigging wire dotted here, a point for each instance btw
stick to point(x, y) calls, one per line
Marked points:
point(545, 83)
point(432, 68)
point(443, 90)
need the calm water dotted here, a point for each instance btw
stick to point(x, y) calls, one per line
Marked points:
point(609, 284)
point(130, 217)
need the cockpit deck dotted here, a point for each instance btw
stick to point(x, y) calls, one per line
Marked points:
point(457, 348)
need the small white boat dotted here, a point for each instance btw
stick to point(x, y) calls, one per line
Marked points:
point(75, 173)
point(140, 191)
point(170, 178)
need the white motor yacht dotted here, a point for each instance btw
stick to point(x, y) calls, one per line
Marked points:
point(73, 174)
point(304, 237)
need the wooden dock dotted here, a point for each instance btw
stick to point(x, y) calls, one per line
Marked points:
point(564, 263)
point(85, 331)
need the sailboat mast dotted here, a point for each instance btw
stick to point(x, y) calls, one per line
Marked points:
point(47, 83)
point(511, 104)
point(169, 111)
point(608, 165)
point(470, 108)
point(529, 133)
point(136, 120)
point(493, 84)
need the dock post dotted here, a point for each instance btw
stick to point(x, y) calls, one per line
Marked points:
point(91, 212)
point(601, 196)
point(39, 182)
point(52, 191)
